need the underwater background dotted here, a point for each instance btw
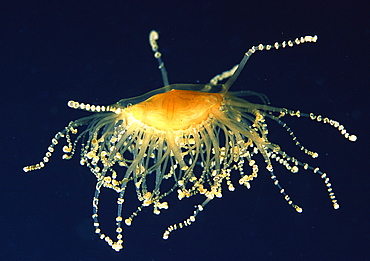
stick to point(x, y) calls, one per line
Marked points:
point(97, 52)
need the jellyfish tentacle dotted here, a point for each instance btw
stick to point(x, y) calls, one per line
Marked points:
point(153, 37)
point(267, 47)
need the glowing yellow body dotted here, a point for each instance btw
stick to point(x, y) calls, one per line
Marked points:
point(176, 109)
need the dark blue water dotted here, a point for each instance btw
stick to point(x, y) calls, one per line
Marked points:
point(98, 53)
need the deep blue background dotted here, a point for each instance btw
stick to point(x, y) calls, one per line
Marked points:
point(98, 52)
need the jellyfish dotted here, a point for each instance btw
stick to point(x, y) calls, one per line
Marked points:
point(187, 139)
